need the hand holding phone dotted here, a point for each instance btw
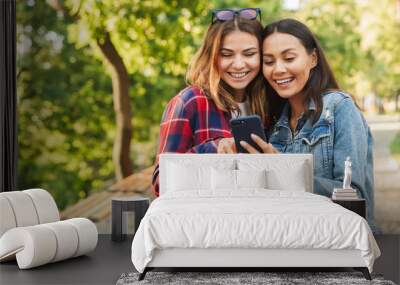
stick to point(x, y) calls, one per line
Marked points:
point(243, 127)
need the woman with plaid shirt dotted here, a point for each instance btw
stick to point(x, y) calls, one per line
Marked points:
point(225, 81)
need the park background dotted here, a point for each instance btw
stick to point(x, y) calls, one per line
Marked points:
point(94, 76)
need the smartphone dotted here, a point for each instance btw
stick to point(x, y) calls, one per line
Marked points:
point(243, 127)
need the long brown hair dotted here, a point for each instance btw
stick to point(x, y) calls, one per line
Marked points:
point(203, 70)
point(321, 79)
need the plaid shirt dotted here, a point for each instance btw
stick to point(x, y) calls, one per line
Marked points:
point(191, 123)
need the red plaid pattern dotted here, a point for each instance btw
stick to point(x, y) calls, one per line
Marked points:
point(191, 123)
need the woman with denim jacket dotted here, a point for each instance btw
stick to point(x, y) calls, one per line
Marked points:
point(311, 114)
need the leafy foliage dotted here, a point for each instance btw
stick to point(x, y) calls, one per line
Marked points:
point(335, 23)
point(382, 38)
point(156, 40)
point(65, 109)
point(395, 145)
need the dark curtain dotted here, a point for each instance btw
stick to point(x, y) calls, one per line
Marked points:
point(8, 97)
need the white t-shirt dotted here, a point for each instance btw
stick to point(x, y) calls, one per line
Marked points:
point(244, 110)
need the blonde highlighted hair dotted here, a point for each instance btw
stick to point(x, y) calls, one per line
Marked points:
point(203, 70)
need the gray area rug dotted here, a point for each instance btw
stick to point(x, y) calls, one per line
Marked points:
point(229, 278)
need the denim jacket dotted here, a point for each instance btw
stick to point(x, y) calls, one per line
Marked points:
point(340, 131)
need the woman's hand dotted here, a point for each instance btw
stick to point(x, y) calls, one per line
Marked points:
point(266, 147)
point(227, 145)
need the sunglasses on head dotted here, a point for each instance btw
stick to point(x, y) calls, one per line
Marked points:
point(229, 14)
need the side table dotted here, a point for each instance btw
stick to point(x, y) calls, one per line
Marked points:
point(119, 205)
point(356, 205)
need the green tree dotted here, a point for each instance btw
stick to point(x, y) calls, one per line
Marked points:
point(65, 133)
point(66, 118)
point(382, 38)
point(142, 41)
point(270, 10)
point(336, 24)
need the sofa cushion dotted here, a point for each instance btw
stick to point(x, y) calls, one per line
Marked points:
point(26, 208)
point(45, 206)
point(7, 215)
point(40, 244)
point(31, 232)
point(22, 207)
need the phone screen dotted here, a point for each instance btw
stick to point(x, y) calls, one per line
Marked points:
point(243, 127)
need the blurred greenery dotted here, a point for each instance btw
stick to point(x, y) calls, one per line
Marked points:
point(66, 112)
point(65, 109)
point(395, 145)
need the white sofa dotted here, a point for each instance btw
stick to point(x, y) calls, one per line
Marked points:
point(31, 231)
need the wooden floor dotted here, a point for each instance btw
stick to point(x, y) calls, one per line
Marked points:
point(111, 259)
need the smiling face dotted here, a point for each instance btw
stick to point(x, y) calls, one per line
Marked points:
point(286, 64)
point(239, 61)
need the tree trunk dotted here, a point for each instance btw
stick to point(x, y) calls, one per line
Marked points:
point(122, 107)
